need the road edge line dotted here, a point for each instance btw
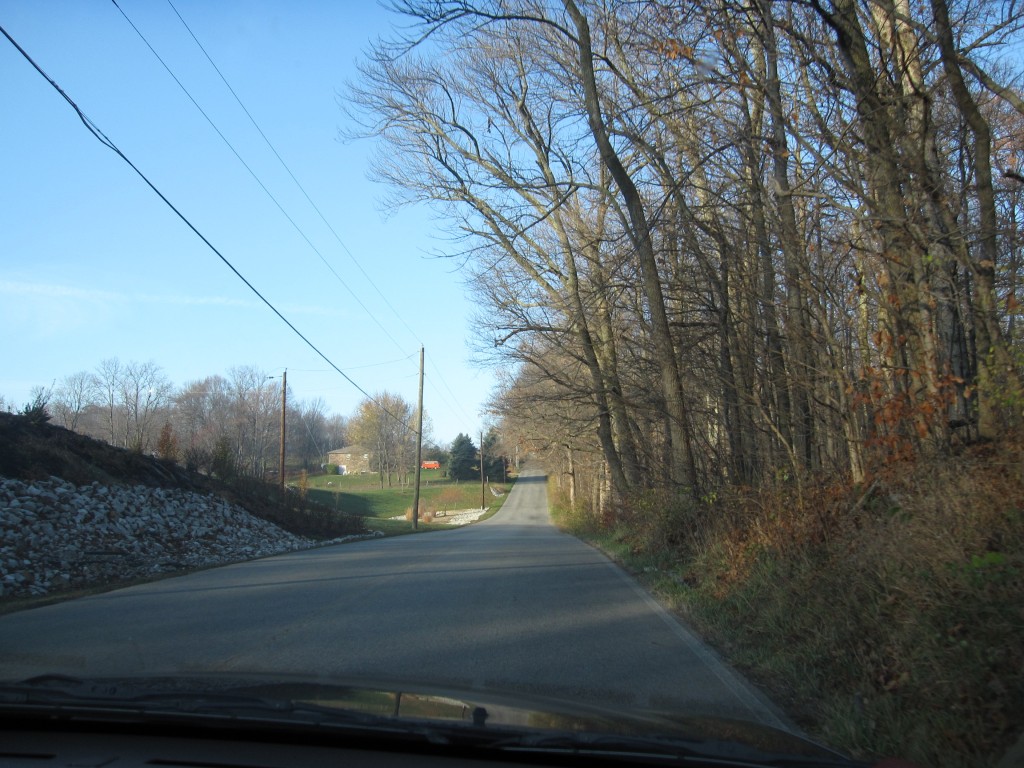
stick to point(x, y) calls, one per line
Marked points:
point(763, 708)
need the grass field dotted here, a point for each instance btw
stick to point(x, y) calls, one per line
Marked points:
point(362, 495)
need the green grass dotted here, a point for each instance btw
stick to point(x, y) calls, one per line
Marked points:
point(371, 481)
point(362, 495)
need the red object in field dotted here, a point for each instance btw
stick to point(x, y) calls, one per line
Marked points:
point(430, 465)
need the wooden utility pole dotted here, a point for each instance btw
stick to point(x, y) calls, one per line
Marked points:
point(419, 452)
point(483, 504)
point(284, 409)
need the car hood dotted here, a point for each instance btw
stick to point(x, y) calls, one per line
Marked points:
point(451, 713)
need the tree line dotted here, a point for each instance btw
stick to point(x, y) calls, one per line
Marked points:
point(227, 425)
point(464, 458)
point(721, 242)
point(231, 425)
point(385, 427)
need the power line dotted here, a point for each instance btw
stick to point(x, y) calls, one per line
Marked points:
point(311, 202)
point(255, 177)
point(458, 406)
point(107, 142)
point(452, 407)
point(298, 184)
point(360, 367)
point(309, 432)
point(293, 177)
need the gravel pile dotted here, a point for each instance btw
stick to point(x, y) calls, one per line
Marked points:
point(55, 535)
point(451, 517)
point(462, 518)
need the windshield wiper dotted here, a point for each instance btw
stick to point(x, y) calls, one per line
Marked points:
point(662, 748)
point(65, 692)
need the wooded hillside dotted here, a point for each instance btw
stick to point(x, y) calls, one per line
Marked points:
point(723, 242)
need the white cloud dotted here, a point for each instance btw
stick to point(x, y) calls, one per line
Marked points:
point(62, 291)
point(54, 291)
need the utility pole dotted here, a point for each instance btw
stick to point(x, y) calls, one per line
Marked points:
point(483, 504)
point(419, 453)
point(284, 408)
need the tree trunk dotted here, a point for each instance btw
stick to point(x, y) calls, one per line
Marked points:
point(907, 340)
point(992, 355)
point(801, 367)
point(682, 470)
point(572, 477)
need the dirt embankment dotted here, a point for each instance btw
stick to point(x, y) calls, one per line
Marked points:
point(78, 513)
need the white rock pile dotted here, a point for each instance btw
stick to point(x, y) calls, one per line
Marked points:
point(452, 517)
point(465, 517)
point(55, 535)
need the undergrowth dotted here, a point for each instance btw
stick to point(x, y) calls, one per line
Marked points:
point(293, 512)
point(888, 619)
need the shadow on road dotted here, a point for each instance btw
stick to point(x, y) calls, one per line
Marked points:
point(532, 479)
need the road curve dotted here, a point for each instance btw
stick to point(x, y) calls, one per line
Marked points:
point(510, 604)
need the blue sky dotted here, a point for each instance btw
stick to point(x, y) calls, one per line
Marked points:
point(94, 265)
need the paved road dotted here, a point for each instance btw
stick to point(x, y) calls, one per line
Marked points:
point(510, 604)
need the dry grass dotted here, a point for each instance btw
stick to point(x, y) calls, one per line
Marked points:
point(426, 514)
point(448, 499)
point(888, 618)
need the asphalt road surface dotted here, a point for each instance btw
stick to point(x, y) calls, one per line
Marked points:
point(507, 605)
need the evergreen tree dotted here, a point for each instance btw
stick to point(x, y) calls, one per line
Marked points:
point(462, 463)
point(494, 462)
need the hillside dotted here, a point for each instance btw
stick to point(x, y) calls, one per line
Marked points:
point(77, 513)
point(31, 450)
point(886, 616)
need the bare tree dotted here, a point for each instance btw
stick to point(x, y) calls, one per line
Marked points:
point(75, 393)
point(336, 431)
point(201, 417)
point(308, 436)
point(382, 424)
point(731, 238)
point(108, 388)
point(144, 392)
point(255, 399)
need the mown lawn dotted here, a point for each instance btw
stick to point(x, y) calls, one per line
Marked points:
point(362, 495)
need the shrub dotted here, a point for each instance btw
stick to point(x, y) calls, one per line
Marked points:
point(426, 514)
point(659, 519)
point(167, 444)
point(37, 411)
point(222, 462)
point(885, 618)
point(197, 459)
